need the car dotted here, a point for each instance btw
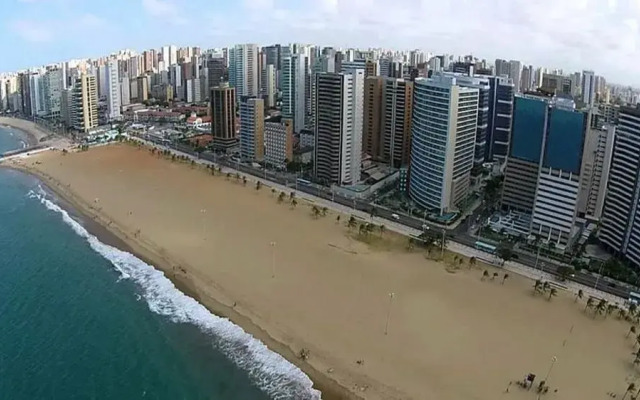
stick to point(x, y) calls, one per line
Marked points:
point(395, 216)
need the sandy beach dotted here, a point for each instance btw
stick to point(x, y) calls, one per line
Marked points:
point(300, 282)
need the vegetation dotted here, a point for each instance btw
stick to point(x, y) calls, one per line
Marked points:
point(258, 185)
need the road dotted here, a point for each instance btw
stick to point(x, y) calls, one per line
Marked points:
point(459, 235)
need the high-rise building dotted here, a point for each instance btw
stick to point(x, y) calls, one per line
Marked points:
point(223, 115)
point(596, 160)
point(269, 85)
point(588, 88)
point(113, 91)
point(443, 132)
point(338, 127)
point(370, 68)
point(217, 71)
point(387, 120)
point(52, 82)
point(526, 80)
point(243, 69)
point(125, 91)
point(502, 67)
point(482, 84)
point(36, 93)
point(501, 92)
point(515, 69)
point(142, 88)
point(620, 230)
point(251, 128)
point(294, 94)
point(543, 170)
point(24, 90)
point(84, 103)
point(278, 141)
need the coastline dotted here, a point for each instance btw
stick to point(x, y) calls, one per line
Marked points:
point(30, 131)
point(97, 225)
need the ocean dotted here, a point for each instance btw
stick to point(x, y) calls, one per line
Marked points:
point(80, 319)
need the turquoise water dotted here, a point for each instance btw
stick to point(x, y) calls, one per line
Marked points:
point(82, 320)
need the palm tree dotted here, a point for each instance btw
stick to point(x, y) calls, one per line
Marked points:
point(324, 211)
point(590, 303)
point(363, 229)
point(622, 314)
point(281, 197)
point(193, 163)
point(630, 388)
point(611, 308)
point(294, 203)
point(338, 219)
point(273, 191)
point(633, 309)
point(292, 195)
point(546, 286)
point(228, 175)
point(601, 308)
point(632, 329)
point(258, 185)
point(244, 180)
point(637, 340)
point(352, 222)
point(410, 244)
point(237, 176)
point(553, 292)
point(494, 276)
point(537, 287)
point(382, 228)
point(485, 275)
point(315, 211)
point(579, 295)
point(504, 278)
point(472, 262)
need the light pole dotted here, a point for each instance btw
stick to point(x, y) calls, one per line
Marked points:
point(442, 245)
point(537, 257)
point(204, 235)
point(553, 361)
point(595, 286)
point(386, 326)
point(273, 259)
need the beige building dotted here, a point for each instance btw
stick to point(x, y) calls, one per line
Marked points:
point(278, 142)
point(84, 103)
point(387, 120)
point(223, 114)
point(142, 88)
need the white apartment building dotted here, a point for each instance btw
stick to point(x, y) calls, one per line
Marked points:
point(125, 91)
point(588, 87)
point(52, 83)
point(113, 91)
point(243, 70)
point(293, 83)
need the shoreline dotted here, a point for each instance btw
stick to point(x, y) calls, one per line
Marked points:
point(92, 221)
point(32, 134)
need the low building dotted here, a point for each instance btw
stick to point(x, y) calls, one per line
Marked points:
point(158, 116)
point(195, 122)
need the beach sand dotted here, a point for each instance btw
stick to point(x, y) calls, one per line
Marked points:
point(450, 334)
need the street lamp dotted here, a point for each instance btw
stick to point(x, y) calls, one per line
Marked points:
point(599, 275)
point(553, 361)
point(204, 235)
point(386, 326)
point(273, 259)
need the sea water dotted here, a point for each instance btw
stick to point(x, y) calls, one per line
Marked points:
point(80, 319)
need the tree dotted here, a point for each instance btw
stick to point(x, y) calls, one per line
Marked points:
point(601, 307)
point(324, 211)
point(504, 278)
point(352, 222)
point(632, 330)
point(485, 275)
point(537, 286)
point(622, 314)
point(244, 181)
point(193, 163)
point(281, 197)
point(552, 292)
point(590, 303)
point(228, 175)
point(382, 229)
point(494, 276)
point(237, 177)
point(273, 191)
point(258, 185)
point(611, 308)
point(363, 229)
point(338, 219)
point(315, 211)
point(472, 262)
point(564, 272)
point(546, 286)
point(505, 252)
point(579, 295)
point(410, 244)
point(630, 388)
point(294, 203)
point(292, 195)
point(373, 212)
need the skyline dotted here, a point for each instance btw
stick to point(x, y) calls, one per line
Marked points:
point(575, 35)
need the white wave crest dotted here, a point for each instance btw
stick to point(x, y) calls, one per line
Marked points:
point(269, 371)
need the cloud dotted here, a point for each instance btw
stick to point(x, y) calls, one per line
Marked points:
point(31, 31)
point(165, 10)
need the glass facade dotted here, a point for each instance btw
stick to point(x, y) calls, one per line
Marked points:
point(565, 140)
point(528, 128)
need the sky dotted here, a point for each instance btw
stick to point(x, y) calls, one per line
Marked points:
point(600, 35)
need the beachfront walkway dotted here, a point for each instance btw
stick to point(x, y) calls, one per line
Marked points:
point(511, 266)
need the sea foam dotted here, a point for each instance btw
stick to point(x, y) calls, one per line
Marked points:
point(270, 371)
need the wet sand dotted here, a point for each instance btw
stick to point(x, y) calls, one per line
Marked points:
point(450, 334)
